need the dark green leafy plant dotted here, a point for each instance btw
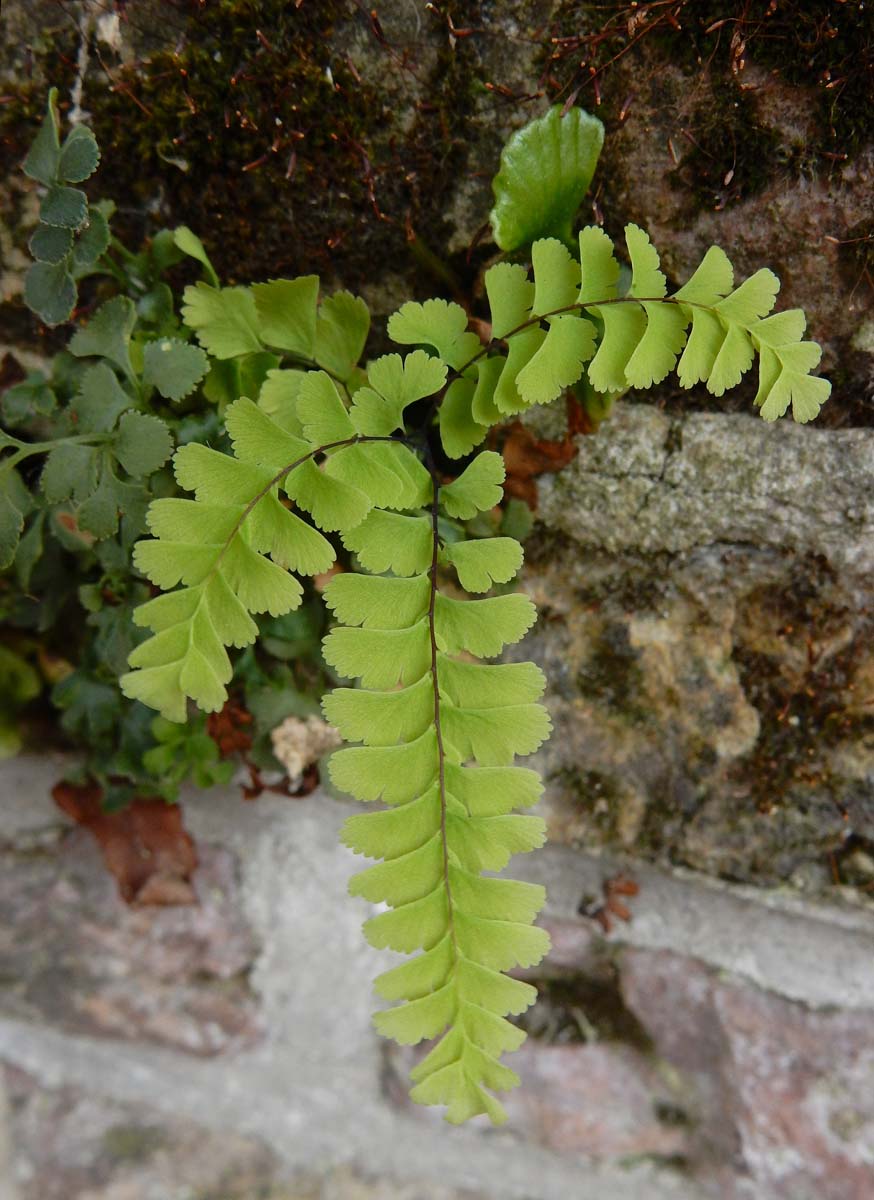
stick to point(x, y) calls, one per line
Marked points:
point(72, 234)
point(321, 445)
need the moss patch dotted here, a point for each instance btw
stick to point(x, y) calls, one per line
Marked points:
point(828, 48)
point(611, 674)
point(800, 686)
point(253, 124)
point(132, 1143)
point(584, 1008)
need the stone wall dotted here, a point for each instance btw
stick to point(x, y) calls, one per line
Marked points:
point(720, 1045)
point(705, 588)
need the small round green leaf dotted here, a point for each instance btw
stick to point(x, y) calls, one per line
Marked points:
point(143, 444)
point(174, 367)
point(50, 243)
point(64, 206)
point(80, 155)
point(50, 292)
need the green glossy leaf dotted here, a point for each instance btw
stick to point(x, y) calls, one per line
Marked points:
point(480, 564)
point(546, 168)
point(224, 319)
point(441, 324)
point(459, 432)
point(189, 243)
point(478, 488)
point(321, 412)
point(342, 326)
point(287, 313)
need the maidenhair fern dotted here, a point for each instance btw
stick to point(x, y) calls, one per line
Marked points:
point(234, 546)
point(326, 446)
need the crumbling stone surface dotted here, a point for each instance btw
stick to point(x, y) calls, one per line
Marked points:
point(706, 630)
point(792, 1084)
point(72, 953)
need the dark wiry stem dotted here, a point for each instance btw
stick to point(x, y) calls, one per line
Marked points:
point(441, 752)
point(579, 307)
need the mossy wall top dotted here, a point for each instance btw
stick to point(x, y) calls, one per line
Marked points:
point(328, 136)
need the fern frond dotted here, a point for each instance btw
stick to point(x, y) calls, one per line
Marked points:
point(572, 318)
point(439, 736)
point(233, 547)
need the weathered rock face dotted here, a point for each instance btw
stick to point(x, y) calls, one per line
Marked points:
point(318, 137)
point(704, 584)
point(794, 1085)
point(799, 227)
point(71, 1144)
point(719, 1046)
point(176, 976)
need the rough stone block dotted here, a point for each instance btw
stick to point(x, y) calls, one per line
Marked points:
point(74, 955)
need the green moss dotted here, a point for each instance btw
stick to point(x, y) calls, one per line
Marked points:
point(827, 49)
point(252, 128)
point(269, 143)
point(132, 1143)
point(611, 674)
point(246, 120)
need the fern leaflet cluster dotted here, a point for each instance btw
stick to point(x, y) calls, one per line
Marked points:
point(324, 448)
point(440, 730)
point(573, 318)
point(235, 546)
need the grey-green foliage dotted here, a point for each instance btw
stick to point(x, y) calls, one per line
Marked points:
point(72, 234)
point(102, 445)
